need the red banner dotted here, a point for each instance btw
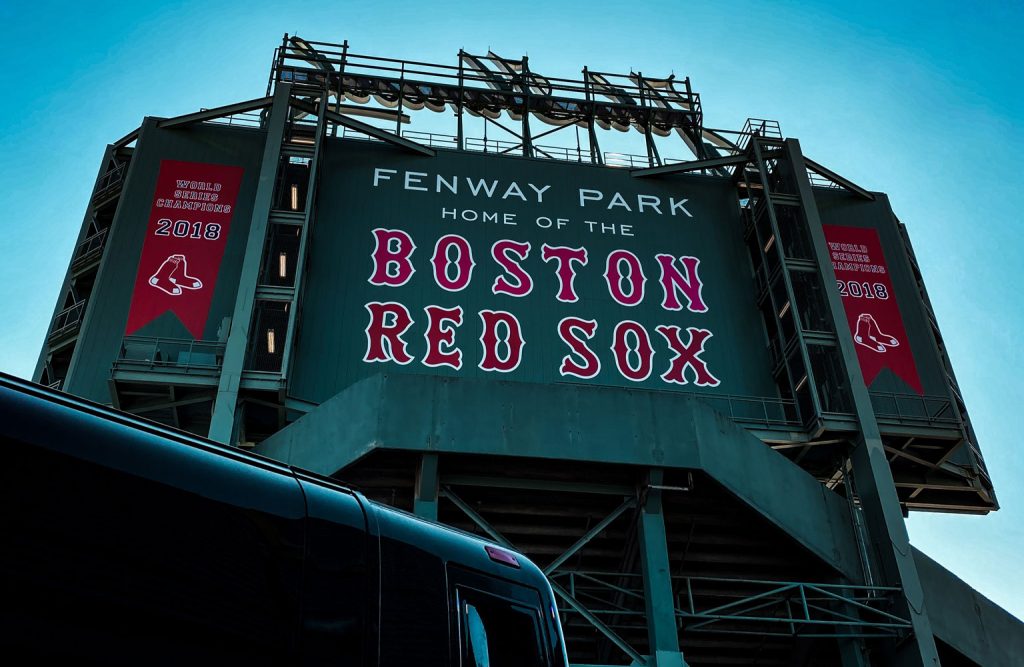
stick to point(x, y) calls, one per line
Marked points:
point(866, 288)
point(185, 240)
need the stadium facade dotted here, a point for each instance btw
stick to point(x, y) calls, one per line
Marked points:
point(703, 392)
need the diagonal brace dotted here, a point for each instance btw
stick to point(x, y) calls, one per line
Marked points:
point(694, 165)
point(218, 112)
point(476, 518)
point(365, 128)
point(578, 607)
point(590, 534)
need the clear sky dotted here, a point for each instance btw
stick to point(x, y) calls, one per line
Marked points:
point(918, 99)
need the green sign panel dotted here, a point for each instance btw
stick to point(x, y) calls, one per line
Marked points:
point(526, 270)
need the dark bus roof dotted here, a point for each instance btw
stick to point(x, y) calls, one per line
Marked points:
point(445, 542)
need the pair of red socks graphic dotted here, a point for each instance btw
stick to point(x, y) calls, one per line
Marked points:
point(870, 336)
point(172, 276)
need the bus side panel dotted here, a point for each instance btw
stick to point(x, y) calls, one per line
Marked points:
point(175, 555)
point(413, 594)
point(339, 615)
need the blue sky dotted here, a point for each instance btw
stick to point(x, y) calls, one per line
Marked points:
point(919, 100)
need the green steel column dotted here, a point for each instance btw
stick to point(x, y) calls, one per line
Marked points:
point(222, 423)
point(660, 604)
point(871, 471)
point(425, 495)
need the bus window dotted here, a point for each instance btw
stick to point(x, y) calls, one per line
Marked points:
point(499, 633)
point(476, 638)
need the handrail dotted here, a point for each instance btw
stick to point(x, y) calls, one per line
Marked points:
point(745, 606)
point(110, 181)
point(91, 244)
point(177, 354)
point(67, 319)
point(914, 408)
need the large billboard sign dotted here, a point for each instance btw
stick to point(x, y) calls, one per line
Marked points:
point(186, 236)
point(526, 270)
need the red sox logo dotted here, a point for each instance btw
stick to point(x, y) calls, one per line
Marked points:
point(172, 276)
point(870, 335)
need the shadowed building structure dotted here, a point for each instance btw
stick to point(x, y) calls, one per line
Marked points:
point(702, 391)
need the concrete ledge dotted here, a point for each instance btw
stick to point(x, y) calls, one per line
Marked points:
point(570, 422)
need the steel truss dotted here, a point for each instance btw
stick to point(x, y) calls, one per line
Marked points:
point(772, 608)
point(617, 603)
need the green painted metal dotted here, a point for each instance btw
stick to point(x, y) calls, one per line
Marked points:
point(836, 178)
point(612, 636)
point(331, 334)
point(222, 423)
point(771, 201)
point(589, 535)
point(102, 331)
point(871, 471)
point(600, 424)
point(45, 350)
point(546, 485)
point(372, 131)
point(305, 230)
point(481, 522)
point(427, 487)
point(127, 139)
point(662, 633)
point(970, 623)
point(216, 112)
point(693, 165)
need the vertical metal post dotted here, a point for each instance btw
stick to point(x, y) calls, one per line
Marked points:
point(653, 159)
point(340, 93)
point(872, 475)
point(401, 98)
point(222, 422)
point(304, 233)
point(459, 104)
point(595, 148)
point(660, 604)
point(525, 77)
point(427, 484)
point(698, 140)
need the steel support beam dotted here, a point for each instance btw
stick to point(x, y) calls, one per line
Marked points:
point(662, 634)
point(872, 475)
point(427, 487)
point(837, 179)
point(370, 130)
point(476, 518)
point(538, 485)
point(218, 112)
point(222, 423)
point(127, 139)
point(589, 535)
point(580, 609)
point(694, 165)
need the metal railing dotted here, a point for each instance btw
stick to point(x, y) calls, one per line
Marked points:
point(747, 606)
point(169, 354)
point(754, 410)
point(505, 147)
point(914, 409)
point(110, 182)
point(67, 320)
point(90, 247)
point(303, 61)
point(761, 127)
point(819, 181)
point(248, 119)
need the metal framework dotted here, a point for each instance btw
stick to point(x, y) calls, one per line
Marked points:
point(882, 452)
